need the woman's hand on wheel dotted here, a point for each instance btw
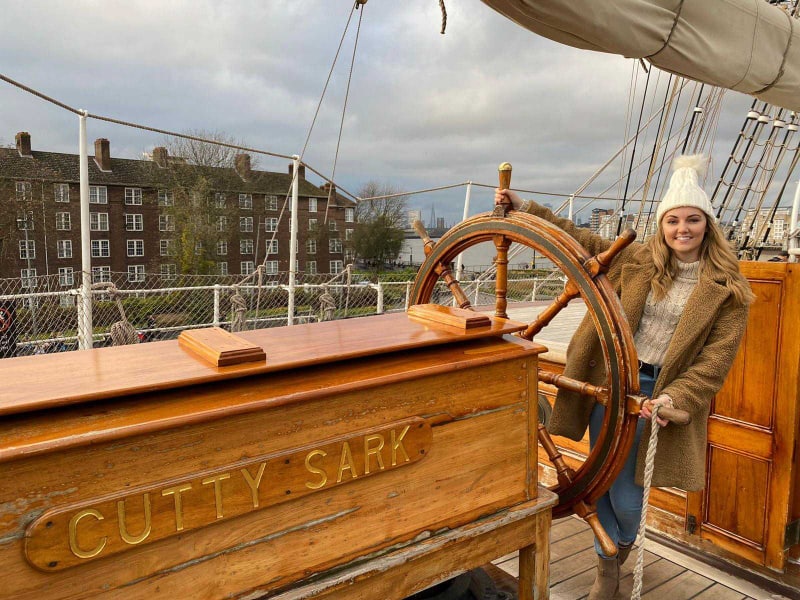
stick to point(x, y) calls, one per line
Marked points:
point(506, 197)
point(647, 413)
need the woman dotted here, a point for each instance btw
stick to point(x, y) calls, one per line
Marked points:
point(687, 304)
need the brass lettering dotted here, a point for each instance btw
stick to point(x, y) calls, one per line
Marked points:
point(254, 482)
point(347, 457)
point(376, 451)
point(73, 534)
point(176, 491)
point(123, 528)
point(312, 469)
point(397, 443)
point(217, 481)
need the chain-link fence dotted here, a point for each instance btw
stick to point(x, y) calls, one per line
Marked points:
point(42, 314)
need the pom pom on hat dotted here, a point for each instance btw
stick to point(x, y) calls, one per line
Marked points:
point(684, 189)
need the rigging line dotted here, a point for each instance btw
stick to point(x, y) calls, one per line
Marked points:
point(550, 194)
point(327, 81)
point(633, 150)
point(745, 156)
point(691, 123)
point(711, 131)
point(628, 114)
point(344, 111)
point(41, 95)
point(777, 202)
point(659, 136)
point(433, 189)
point(758, 169)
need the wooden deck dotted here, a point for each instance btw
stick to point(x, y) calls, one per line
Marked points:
point(667, 575)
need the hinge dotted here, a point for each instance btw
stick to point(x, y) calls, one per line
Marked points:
point(792, 535)
point(691, 523)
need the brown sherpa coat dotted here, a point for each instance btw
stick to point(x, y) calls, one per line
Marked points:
point(698, 358)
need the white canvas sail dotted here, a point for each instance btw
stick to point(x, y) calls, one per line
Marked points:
point(746, 45)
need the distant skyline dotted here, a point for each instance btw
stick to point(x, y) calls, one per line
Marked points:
point(424, 110)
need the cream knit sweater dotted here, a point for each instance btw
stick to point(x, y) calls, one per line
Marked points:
point(660, 319)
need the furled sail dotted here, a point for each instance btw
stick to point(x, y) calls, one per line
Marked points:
point(750, 46)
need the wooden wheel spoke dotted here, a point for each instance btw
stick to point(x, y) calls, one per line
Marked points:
point(549, 313)
point(602, 262)
point(599, 393)
point(564, 473)
point(502, 244)
point(452, 283)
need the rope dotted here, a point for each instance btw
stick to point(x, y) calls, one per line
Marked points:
point(638, 571)
point(239, 307)
point(122, 332)
point(444, 16)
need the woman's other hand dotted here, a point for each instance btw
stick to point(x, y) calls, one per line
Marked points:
point(507, 196)
point(647, 406)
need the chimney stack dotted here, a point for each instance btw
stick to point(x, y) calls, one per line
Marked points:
point(241, 163)
point(102, 154)
point(330, 191)
point(301, 170)
point(23, 139)
point(160, 157)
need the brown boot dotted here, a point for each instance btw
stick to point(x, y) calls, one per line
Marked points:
point(623, 552)
point(606, 585)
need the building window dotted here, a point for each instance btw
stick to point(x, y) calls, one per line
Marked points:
point(271, 267)
point(66, 276)
point(101, 249)
point(166, 247)
point(198, 248)
point(312, 224)
point(348, 234)
point(349, 215)
point(166, 223)
point(270, 224)
point(168, 271)
point(133, 196)
point(336, 266)
point(222, 268)
point(219, 200)
point(28, 277)
point(101, 274)
point(135, 247)
point(63, 221)
point(245, 246)
point(312, 205)
point(271, 203)
point(311, 246)
point(25, 221)
point(272, 246)
point(335, 246)
point(134, 222)
point(61, 192)
point(311, 267)
point(135, 272)
point(349, 255)
point(246, 201)
point(27, 249)
point(222, 224)
point(98, 221)
point(165, 198)
point(246, 224)
point(64, 248)
point(246, 267)
point(24, 191)
point(98, 194)
point(332, 226)
point(222, 248)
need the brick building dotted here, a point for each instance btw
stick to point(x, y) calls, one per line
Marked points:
point(160, 216)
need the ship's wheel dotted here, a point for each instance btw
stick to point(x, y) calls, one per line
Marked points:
point(579, 488)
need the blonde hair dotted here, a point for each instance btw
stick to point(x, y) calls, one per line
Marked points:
point(717, 260)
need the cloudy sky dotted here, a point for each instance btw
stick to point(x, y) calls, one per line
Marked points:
point(424, 109)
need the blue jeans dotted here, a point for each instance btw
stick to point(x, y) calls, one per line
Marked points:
point(620, 508)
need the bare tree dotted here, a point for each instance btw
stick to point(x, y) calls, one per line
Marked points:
point(378, 237)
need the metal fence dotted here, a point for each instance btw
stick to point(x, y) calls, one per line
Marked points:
point(41, 315)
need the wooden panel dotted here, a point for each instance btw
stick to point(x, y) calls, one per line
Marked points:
point(740, 485)
point(117, 371)
point(748, 394)
point(477, 465)
point(740, 438)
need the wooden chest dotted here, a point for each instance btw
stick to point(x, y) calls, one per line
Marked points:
point(362, 458)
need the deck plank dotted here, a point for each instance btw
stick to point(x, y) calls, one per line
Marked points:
point(684, 586)
point(720, 592)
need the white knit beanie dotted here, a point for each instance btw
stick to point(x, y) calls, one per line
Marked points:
point(684, 189)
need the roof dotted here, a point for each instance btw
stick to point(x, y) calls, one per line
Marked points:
point(64, 168)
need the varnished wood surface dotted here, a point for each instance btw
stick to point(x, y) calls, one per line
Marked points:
point(49, 380)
